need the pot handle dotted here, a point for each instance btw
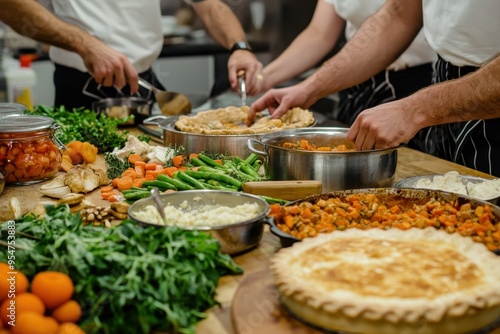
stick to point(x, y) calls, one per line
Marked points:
point(250, 144)
point(155, 120)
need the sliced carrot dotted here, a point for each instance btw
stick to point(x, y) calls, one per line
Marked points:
point(178, 160)
point(151, 166)
point(149, 177)
point(107, 195)
point(106, 189)
point(114, 198)
point(138, 182)
point(115, 182)
point(193, 155)
point(125, 182)
point(219, 161)
point(129, 172)
point(169, 171)
point(140, 163)
point(152, 172)
point(133, 157)
point(140, 171)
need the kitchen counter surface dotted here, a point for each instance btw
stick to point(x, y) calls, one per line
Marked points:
point(220, 321)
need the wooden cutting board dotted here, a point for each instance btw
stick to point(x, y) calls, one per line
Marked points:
point(256, 309)
point(287, 190)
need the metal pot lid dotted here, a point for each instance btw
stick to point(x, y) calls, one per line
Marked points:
point(25, 123)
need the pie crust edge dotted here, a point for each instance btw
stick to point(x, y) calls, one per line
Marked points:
point(350, 312)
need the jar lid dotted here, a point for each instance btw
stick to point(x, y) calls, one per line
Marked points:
point(25, 123)
point(9, 108)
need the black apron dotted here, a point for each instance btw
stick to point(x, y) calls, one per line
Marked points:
point(75, 89)
point(475, 144)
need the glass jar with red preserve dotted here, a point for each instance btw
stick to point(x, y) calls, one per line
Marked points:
point(29, 150)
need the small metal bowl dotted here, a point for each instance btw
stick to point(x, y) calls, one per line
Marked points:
point(121, 107)
point(234, 238)
point(3, 175)
point(412, 181)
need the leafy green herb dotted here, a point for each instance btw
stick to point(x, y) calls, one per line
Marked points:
point(178, 150)
point(128, 279)
point(116, 165)
point(86, 125)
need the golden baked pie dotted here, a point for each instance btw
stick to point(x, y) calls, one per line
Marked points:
point(232, 121)
point(390, 281)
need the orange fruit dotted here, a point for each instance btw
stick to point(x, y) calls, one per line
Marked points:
point(53, 287)
point(51, 324)
point(12, 282)
point(32, 323)
point(14, 307)
point(69, 328)
point(70, 311)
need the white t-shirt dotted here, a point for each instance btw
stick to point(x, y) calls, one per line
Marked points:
point(130, 27)
point(463, 32)
point(356, 12)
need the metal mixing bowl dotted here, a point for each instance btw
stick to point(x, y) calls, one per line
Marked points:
point(234, 238)
point(411, 181)
point(336, 170)
point(121, 107)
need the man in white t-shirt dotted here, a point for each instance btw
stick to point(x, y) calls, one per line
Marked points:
point(457, 120)
point(111, 43)
point(409, 73)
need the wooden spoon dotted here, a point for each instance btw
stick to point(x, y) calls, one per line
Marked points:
point(170, 103)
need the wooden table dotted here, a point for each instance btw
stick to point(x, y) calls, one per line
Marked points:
point(219, 321)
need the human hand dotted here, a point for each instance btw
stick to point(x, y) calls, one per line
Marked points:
point(245, 60)
point(385, 126)
point(279, 101)
point(109, 67)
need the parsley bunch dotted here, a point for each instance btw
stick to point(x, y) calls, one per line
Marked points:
point(86, 125)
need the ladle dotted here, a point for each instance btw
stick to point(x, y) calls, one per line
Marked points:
point(158, 204)
point(170, 103)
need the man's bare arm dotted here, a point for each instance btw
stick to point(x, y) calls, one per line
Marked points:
point(378, 43)
point(30, 19)
point(474, 96)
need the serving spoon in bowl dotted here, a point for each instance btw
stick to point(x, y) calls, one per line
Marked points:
point(170, 103)
point(158, 204)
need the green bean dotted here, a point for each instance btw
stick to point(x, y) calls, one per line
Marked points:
point(197, 162)
point(179, 184)
point(128, 191)
point(191, 180)
point(214, 176)
point(251, 158)
point(209, 161)
point(272, 200)
point(211, 169)
point(136, 195)
point(159, 184)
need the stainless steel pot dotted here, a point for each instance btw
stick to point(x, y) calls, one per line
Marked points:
point(234, 238)
point(336, 170)
point(121, 107)
point(235, 145)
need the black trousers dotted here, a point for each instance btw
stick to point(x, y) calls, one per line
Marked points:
point(475, 144)
point(75, 89)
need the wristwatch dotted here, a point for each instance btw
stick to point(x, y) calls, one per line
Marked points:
point(241, 45)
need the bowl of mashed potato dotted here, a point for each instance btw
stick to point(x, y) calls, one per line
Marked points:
point(466, 185)
point(235, 219)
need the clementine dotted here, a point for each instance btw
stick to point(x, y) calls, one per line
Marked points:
point(70, 311)
point(53, 287)
point(12, 308)
point(12, 282)
point(69, 328)
point(33, 323)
